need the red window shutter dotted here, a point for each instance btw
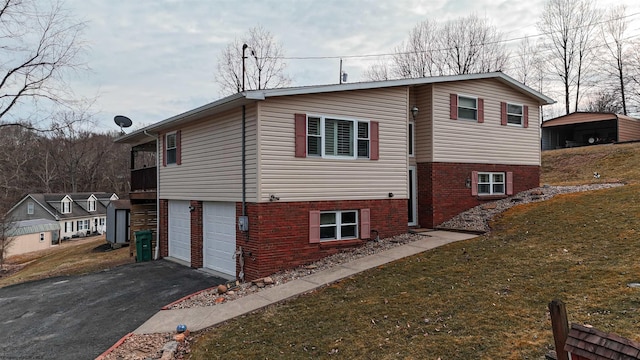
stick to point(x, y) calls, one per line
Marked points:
point(374, 143)
point(509, 183)
point(365, 223)
point(525, 116)
point(480, 110)
point(453, 106)
point(474, 183)
point(301, 135)
point(314, 226)
point(164, 150)
point(178, 147)
point(503, 113)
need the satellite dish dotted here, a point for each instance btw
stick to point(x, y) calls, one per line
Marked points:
point(122, 121)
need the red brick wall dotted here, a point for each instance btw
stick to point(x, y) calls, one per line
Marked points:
point(163, 217)
point(196, 234)
point(442, 192)
point(278, 236)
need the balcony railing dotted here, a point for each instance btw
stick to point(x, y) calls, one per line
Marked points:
point(144, 179)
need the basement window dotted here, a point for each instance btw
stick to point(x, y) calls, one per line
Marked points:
point(338, 225)
point(491, 183)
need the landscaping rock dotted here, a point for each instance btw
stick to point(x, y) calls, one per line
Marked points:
point(222, 289)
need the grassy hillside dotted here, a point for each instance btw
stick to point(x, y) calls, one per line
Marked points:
point(71, 258)
point(576, 166)
point(485, 298)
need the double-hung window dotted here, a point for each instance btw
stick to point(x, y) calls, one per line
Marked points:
point(172, 148)
point(338, 225)
point(91, 205)
point(332, 137)
point(66, 207)
point(467, 108)
point(30, 208)
point(514, 114)
point(491, 183)
point(83, 225)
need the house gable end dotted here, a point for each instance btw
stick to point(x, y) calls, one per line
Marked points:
point(19, 211)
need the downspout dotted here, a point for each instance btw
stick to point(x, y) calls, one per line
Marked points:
point(244, 161)
point(156, 254)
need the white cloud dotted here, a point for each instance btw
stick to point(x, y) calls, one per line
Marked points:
point(153, 59)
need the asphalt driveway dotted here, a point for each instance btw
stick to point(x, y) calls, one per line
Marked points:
point(79, 317)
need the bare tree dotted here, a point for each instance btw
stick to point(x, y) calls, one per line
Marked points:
point(7, 230)
point(73, 148)
point(569, 26)
point(615, 60)
point(605, 101)
point(18, 156)
point(471, 45)
point(379, 71)
point(39, 42)
point(462, 46)
point(419, 56)
point(528, 65)
point(264, 64)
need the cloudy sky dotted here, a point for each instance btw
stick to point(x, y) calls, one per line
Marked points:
point(152, 59)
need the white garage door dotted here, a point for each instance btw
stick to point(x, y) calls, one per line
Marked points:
point(179, 230)
point(219, 236)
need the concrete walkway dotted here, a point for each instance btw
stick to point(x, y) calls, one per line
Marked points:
point(202, 317)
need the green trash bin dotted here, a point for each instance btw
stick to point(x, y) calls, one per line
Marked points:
point(143, 245)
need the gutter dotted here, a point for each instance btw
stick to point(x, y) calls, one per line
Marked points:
point(156, 254)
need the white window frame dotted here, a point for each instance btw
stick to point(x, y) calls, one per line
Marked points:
point(475, 98)
point(322, 137)
point(65, 206)
point(411, 138)
point(91, 205)
point(101, 221)
point(492, 183)
point(82, 225)
point(174, 148)
point(338, 225)
point(521, 115)
point(30, 208)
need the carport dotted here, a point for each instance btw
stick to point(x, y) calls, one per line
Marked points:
point(588, 128)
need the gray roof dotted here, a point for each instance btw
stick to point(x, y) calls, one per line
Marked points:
point(33, 227)
point(148, 133)
point(51, 203)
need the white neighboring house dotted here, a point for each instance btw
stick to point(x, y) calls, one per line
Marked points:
point(77, 214)
point(32, 235)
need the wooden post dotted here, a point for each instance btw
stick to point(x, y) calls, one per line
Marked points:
point(560, 327)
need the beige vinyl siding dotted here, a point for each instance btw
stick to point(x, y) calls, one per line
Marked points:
point(424, 123)
point(313, 178)
point(628, 129)
point(211, 168)
point(468, 141)
point(27, 243)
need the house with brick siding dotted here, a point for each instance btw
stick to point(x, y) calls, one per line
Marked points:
point(265, 180)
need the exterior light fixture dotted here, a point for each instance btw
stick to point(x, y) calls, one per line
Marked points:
point(414, 112)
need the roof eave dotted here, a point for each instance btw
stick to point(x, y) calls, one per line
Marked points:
point(149, 133)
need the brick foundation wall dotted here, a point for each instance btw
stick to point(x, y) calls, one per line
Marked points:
point(442, 191)
point(196, 234)
point(278, 236)
point(163, 217)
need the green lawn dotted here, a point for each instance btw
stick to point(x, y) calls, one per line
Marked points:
point(485, 298)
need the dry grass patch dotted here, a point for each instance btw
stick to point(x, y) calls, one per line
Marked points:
point(71, 258)
point(484, 298)
point(576, 165)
